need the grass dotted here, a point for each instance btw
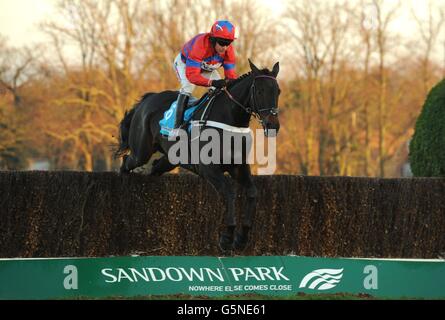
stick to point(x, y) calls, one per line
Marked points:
point(250, 296)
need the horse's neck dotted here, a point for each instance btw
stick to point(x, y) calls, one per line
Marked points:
point(229, 112)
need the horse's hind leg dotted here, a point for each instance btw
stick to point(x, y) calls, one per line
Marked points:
point(141, 153)
point(129, 163)
point(161, 166)
point(123, 168)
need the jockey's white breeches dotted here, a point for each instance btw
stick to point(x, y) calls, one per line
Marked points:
point(186, 86)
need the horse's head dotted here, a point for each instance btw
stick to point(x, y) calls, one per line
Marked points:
point(264, 98)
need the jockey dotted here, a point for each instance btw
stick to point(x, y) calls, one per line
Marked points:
point(199, 59)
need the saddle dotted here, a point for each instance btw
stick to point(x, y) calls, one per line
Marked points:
point(167, 123)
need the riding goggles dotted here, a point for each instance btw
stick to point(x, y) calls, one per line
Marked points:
point(223, 42)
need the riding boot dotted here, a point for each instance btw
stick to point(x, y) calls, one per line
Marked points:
point(180, 106)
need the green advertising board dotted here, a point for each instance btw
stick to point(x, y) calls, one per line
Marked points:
point(62, 278)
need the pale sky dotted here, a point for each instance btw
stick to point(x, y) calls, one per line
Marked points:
point(19, 18)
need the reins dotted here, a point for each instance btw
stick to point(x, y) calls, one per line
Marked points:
point(249, 110)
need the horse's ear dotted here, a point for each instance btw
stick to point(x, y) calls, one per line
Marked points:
point(276, 69)
point(253, 67)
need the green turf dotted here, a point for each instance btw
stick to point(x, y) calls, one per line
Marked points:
point(339, 296)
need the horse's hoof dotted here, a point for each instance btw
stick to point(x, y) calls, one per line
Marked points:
point(155, 162)
point(240, 242)
point(225, 242)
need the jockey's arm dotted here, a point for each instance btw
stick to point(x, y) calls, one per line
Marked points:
point(193, 73)
point(229, 64)
point(193, 68)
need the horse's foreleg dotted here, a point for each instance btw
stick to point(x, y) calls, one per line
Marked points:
point(216, 177)
point(243, 176)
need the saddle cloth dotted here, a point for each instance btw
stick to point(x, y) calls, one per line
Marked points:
point(167, 123)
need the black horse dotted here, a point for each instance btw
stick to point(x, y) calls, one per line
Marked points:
point(254, 93)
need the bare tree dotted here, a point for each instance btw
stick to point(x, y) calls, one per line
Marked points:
point(384, 18)
point(103, 34)
point(320, 32)
point(429, 31)
point(17, 66)
point(258, 34)
point(366, 23)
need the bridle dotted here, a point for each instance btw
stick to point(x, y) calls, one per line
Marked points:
point(252, 101)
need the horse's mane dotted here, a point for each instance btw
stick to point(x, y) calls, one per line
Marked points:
point(239, 79)
point(264, 71)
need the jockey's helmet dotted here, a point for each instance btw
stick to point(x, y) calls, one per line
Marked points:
point(223, 29)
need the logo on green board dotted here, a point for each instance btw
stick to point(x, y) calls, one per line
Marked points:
point(322, 279)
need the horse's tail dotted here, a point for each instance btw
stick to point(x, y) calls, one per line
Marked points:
point(124, 129)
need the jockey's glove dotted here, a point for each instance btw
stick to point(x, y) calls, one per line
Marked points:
point(219, 83)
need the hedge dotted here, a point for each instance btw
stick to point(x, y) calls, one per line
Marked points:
point(73, 214)
point(427, 148)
